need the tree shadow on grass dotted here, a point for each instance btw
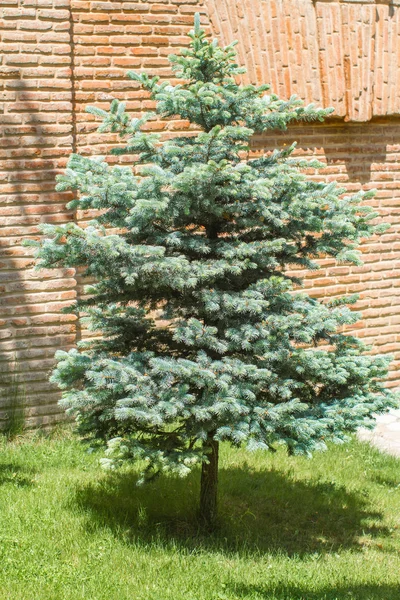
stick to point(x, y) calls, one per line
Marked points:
point(15, 475)
point(388, 481)
point(260, 511)
point(340, 592)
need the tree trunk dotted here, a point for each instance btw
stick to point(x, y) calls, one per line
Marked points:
point(209, 484)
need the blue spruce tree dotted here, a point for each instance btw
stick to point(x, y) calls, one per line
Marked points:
point(203, 337)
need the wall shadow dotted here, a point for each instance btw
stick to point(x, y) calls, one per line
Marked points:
point(12, 409)
point(29, 161)
point(352, 150)
point(259, 512)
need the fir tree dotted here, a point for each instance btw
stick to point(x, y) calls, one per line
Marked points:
point(203, 337)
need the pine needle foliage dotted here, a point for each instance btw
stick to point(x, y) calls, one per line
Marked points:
point(202, 236)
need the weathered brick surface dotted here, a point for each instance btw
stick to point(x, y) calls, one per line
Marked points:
point(35, 139)
point(340, 53)
point(57, 56)
point(111, 38)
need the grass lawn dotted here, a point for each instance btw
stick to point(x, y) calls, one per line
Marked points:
point(291, 528)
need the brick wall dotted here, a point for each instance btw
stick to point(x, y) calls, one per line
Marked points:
point(36, 137)
point(57, 56)
point(341, 53)
point(360, 156)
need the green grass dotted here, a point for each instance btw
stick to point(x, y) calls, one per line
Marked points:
point(290, 528)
